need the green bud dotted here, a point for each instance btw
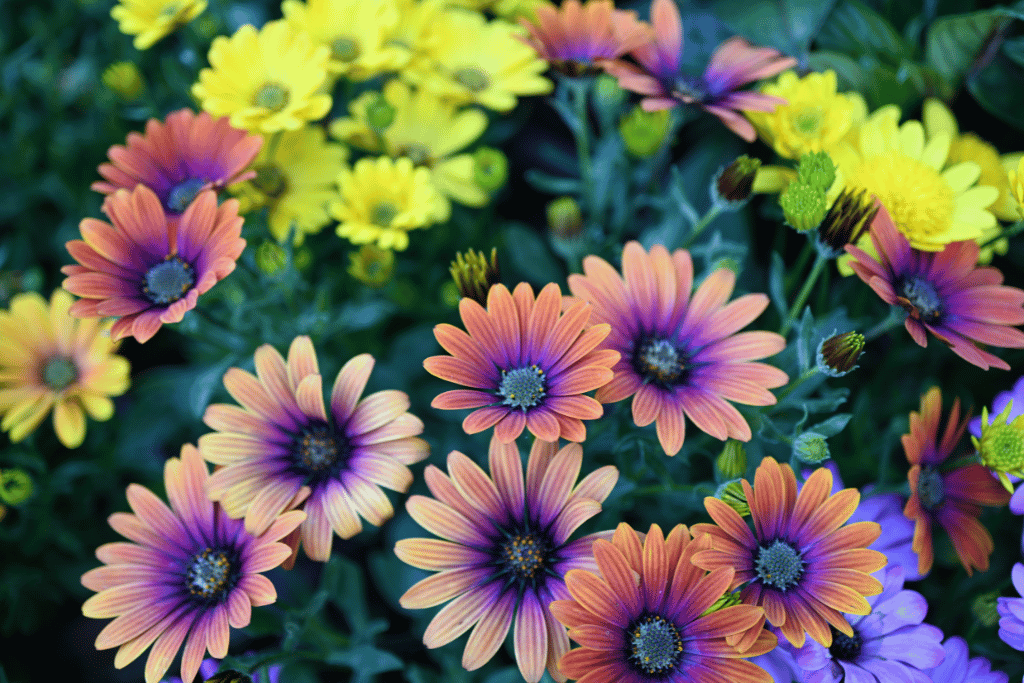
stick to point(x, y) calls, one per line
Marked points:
point(838, 354)
point(644, 131)
point(229, 676)
point(302, 257)
point(565, 220)
point(125, 80)
point(379, 114)
point(474, 274)
point(727, 600)
point(816, 169)
point(372, 265)
point(804, 206)
point(15, 486)
point(271, 258)
point(607, 91)
point(731, 493)
point(735, 182)
point(985, 609)
point(450, 294)
point(732, 461)
point(811, 448)
point(490, 168)
point(847, 220)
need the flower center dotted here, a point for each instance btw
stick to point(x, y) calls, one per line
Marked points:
point(522, 387)
point(383, 213)
point(59, 373)
point(925, 302)
point(659, 360)
point(523, 555)
point(316, 448)
point(472, 78)
point(1002, 445)
point(272, 96)
point(808, 121)
point(844, 647)
point(167, 281)
point(182, 194)
point(418, 154)
point(931, 488)
point(209, 575)
point(344, 49)
point(779, 565)
point(654, 645)
point(919, 200)
point(270, 180)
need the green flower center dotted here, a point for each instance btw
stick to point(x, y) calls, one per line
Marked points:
point(654, 645)
point(522, 387)
point(418, 154)
point(317, 448)
point(844, 647)
point(779, 565)
point(207, 575)
point(182, 194)
point(344, 49)
point(660, 360)
point(808, 121)
point(523, 555)
point(472, 78)
point(167, 281)
point(1002, 445)
point(270, 180)
point(383, 213)
point(59, 373)
point(272, 96)
point(923, 298)
point(931, 488)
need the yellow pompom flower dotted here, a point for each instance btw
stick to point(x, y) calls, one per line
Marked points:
point(1016, 179)
point(265, 81)
point(1001, 445)
point(816, 118)
point(353, 30)
point(428, 130)
point(475, 61)
point(382, 199)
point(151, 20)
point(930, 202)
point(52, 361)
point(295, 180)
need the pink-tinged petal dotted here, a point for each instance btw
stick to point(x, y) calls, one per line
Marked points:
point(489, 633)
point(249, 392)
point(349, 386)
point(458, 399)
point(301, 361)
point(229, 418)
point(402, 427)
point(219, 633)
point(624, 384)
point(459, 616)
point(460, 372)
point(596, 597)
point(239, 609)
point(671, 428)
point(618, 575)
point(481, 329)
point(574, 514)
point(128, 626)
point(444, 521)
point(155, 513)
point(259, 588)
point(648, 404)
point(597, 485)
point(166, 647)
point(543, 424)
point(509, 427)
point(441, 587)
point(268, 504)
point(310, 397)
point(531, 638)
point(485, 418)
point(433, 554)
point(341, 510)
point(580, 407)
point(376, 410)
point(558, 645)
point(507, 470)
point(317, 533)
point(475, 486)
point(558, 482)
point(501, 310)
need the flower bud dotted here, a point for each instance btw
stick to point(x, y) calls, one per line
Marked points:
point(125, 80)
point(735, 182)
point(731, 493)
point(727, 600)
point(474, 274)
point(644, 131)
point(803, 205)
point(811, 448)
point(271, 258)
point(15, 486)
point(838, 354)
point(1001, 446)
point(985, 609)
point(379, 114)
point(490, 168)
point(847, 220)
point(565, 220)
point(607, 92)
point(372, 265)
point(229, 676)
point(817, 170)
point(732, 461)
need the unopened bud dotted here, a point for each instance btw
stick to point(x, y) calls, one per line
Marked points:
point(565, 218)
point(490, 169)
point(811, 448)
point(985, 609)
point(727, 600)
point(847, 220)
point(15, 486)
point(379, 114)
point(125, 80)
point(817, 170)
point(838, 354)
point(803, 205)
point(474, 274)
point(229, 676)
point(271, 258)
point(732, 461)
point(644, 131)
point(372, 265)
point(731, 493)
point(735, 182)
point(608, 92)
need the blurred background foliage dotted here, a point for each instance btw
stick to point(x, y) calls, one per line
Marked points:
point(342, 621)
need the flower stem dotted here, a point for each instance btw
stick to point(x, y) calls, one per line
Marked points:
point(704, 221)
point(578, 89)
point(895, 317)
point(791, 387)
point(805, 292)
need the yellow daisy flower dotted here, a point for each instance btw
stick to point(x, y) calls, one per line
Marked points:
point(510, 10)
point(50, 360)
point(382, 199)
point(295, 179)
point(265, 81)
point(151, 20)
point(353, 30)
point(426, 129)
point(414, 31)
point(816, 118)
point(1016, 178)
point(930, 203)
point(481, 62)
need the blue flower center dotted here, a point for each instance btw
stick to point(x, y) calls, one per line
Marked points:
point(209, 575)
point(524, 554)
point(659, 361)
point(523, 387)
point(779, 565)
point(59, 373)
point(923, 298)
point(844, 647)
point(182, 194)
point(654, 645)
point(167, 281)
point(931, 488)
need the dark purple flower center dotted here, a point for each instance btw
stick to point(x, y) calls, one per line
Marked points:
point(522, 556)
point(931, 488)
point(923, 298)
point(654, 646)
point(318, 452)
point(182, 194)
point(211, 574)
point(779, 565)
point(522, 387)
point(659, 361)
point(686, 86)
point(59, 373)
point(844, 647)
point(167, 281)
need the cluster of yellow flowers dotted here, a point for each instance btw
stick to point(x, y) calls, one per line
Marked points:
point(939, 185)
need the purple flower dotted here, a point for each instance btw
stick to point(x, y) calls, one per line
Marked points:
point(889, 644)
point(957, 669)
point(1011, 612)
point(779, 663)
point(209, 667)
point(998, 405)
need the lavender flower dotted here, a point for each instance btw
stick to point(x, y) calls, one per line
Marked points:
point(956, 668)
point(1011, 612)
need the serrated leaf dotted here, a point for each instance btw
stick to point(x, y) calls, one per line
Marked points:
point(955, 41)
point(855, 29)
point(831, 426)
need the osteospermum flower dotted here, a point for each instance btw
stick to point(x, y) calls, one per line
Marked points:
point(943, 293)
point(890, 644)
point(734, 64)
point(527, 366)
point(189, 570)
point(957, 668)
point(267, 80)
point(802, 562)
point(576, 37)
point(284, 443)
point(943, 493)
point(179, 158)
point(650, 615)
point(679, 354)
point(147, 269)
point(1011, 612)
point(49, 360)
point(505, 550)
point(151, 20)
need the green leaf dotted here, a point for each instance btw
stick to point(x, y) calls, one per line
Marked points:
point(776, 288)
point(857, 30)
point(1014, 49)
point(849, 74)
point(997, 89)
point(552, 184)
point(804, 18)
point(366, 661)
point(803, 340)
point(789, 25)
point(530, 255)
point(903, 86)
point(955, 42)
point(831, 426)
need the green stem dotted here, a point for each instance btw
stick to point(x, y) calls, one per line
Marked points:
point(275, 139)
point(791, 387)
point(895, 317)
point(705, 220)
point(578, 89)
point(805, 292)
point(801, 263)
